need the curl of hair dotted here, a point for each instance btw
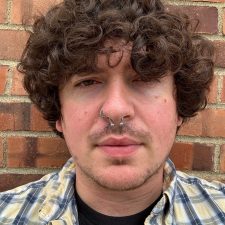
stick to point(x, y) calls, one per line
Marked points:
point(60, 44)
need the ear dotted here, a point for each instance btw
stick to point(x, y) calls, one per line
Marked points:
point(179, 121)
point(58, 125)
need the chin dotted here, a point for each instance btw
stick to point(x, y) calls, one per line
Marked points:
point(123, 178)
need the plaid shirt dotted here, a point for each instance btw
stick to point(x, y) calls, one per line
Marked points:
point(186, 200)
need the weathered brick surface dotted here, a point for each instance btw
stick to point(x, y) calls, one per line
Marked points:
point(208, 123)
point(14, 180)
point(21, 116)
point(15, 116)
point(12, 44)
point(25, 10)
point(212, 96)
point(222, 159)
point(220, 53)
point(37, 123)
point(17, 87)
point(36, 152)
point(1, 152)
point(182, 155)
point(3, 77)
point(224, 20)
point(223, 91)
point(3, 11)
point(193, 156)
point(206, 16)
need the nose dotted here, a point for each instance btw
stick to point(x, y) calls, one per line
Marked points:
point(118, 102)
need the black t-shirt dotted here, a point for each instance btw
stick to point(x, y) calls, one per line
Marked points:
point(88, 216)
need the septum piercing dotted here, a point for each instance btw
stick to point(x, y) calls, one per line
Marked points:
point(111, 122)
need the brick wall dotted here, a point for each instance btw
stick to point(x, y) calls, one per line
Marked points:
point(28, 148)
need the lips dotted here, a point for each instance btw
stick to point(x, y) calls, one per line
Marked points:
point(119, 147)
point(119, 141)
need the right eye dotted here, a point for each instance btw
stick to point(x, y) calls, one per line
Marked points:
point(86, 83)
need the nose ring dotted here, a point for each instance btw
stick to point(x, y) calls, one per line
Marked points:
point(111, 123)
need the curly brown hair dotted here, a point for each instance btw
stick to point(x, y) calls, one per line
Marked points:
point(68, 38)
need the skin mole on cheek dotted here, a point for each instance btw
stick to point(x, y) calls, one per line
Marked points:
point(165, 101)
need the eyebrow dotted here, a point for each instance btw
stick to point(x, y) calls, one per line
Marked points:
point(83, 74)
point(98, 71)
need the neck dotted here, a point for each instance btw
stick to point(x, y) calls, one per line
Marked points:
point(120, 203)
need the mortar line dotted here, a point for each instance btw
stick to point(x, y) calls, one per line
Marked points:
point(14, 27)
point(15, 99)
point(194, 3)
point(220, 21)
point(4, 152)
point(28, 170)
point(219, 71)
point(8, 63)
point(201, 140)
point(47, 134)
point(9, 11)
point(217, 158)
point(9, 81)
point(218, 105)
point(219, 88)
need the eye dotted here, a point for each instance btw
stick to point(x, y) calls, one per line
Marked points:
point(86, 83)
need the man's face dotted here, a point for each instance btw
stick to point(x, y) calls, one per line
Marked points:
point(118, 160)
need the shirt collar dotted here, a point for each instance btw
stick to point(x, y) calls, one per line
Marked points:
point(60, 193)
point(169, 186)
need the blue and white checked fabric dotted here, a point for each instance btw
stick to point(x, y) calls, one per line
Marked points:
point(186, 200)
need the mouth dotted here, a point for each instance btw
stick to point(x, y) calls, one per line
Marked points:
point(119, 147)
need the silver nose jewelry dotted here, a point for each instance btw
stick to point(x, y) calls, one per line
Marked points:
point(111, 123)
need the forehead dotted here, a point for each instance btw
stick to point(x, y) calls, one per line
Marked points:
point(116, 52)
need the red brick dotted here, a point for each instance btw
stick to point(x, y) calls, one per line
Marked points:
point(17, 86)
point(3, 11)
point(6, 121)
point(37, 123)
point(52, 152)
point(21, 116)
point(193, 156)
point(25, 10)
point(203, 157)
point(192, 127)
point(36, 152)
point(219, 53)
point(12, 44)
point(182, 155)
point(222, 159)
point(3, 77)
point(223, 91)
point(14, 180)
point(224, 20)
point(14, 116)
point(212, 96)
point(208, 123)
point(207, 17)
point(1, 153)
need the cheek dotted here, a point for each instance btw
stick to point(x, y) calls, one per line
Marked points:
point(75, 118)
point(163, 115)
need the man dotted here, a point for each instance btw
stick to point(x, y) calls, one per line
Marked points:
point(116, 79)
